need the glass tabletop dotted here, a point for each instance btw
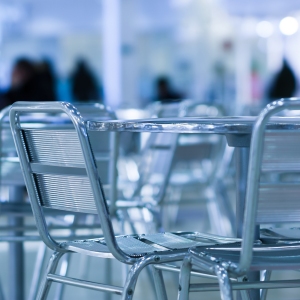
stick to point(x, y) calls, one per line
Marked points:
point(219, 125)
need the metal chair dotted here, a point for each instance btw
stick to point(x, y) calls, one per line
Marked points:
point(199, 163)
point(266, 202)
point(12, 184)
point(106, 159)
point(170, 163)
point(61, 173)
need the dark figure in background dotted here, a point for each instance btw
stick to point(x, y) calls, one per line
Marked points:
point(23, 86)
point(164, 92)
point(29, 82)
point(46, 81)
point(84, 85)
point(284, 83)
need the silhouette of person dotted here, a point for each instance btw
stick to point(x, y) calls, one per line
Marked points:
point(23, 86)
point(84, 85)
point(284, 83)
point(46, 81)
point(29, 82)
point(164, 92)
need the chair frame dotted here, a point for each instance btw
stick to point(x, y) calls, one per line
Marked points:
point(210, 261)
point(138, 262)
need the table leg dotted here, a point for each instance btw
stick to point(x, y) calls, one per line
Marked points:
point(16, 253)
point(242, 160)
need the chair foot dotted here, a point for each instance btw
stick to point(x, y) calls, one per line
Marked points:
point(184, 279)
point(45, 283)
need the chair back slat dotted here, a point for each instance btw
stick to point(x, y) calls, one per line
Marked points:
point(58, 147)
point(60, 155)
point(281, 151)
point(269, 198)
point(279, 199)
point(57, 181)
point(65, 192)
point(278, 203)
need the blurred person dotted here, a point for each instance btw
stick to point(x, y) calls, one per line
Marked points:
point(283, 84)
point(84, 85)
point(46, 81)
point(164, 92)
point(22, 86)
point(29, 82)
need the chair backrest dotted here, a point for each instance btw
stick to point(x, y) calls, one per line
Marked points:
point(59, 168)
point(10, 171)
point(270, 200)
point(205, 149)
point(162, 149)
point(157, 157)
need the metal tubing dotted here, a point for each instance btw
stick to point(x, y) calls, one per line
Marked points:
point(46, 283)
point(62, 272)
point(160, 288)
point(242, 159)
point(243, 294)
point(224, 283)
point(274, 284)
point(16, 257)
point(85, 284)
point(135, 270)
point(176, 269)
point(263, 292)
point(108, 274)
point(184, 279)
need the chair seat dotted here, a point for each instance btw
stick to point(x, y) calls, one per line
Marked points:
point(265, 257)
point(280, 235)
point(140, 245)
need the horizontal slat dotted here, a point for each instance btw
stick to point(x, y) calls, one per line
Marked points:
point(281, 152)
point(58, 170)
point(278, 203)
point(72, 193)
point(54, 147)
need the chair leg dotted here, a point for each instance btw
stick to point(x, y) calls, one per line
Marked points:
point(133, 274)
point(45, 283)
point(243, 294)
point(160, 288)
point(184, 279)
point(224, 283)
point(263, 292)
point(63, 272)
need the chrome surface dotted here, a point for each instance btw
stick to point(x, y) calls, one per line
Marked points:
point(268, 199)
point(85, 284)
point(224, 283)
point(278, 203)
point(221, 125)
point(50, 183)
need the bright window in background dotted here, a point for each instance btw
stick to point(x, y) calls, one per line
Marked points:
point(288, 26)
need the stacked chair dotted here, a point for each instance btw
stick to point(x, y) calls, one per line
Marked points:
point(200, 162)
point(268, 201)
point(62, 174)
point(170, 162)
